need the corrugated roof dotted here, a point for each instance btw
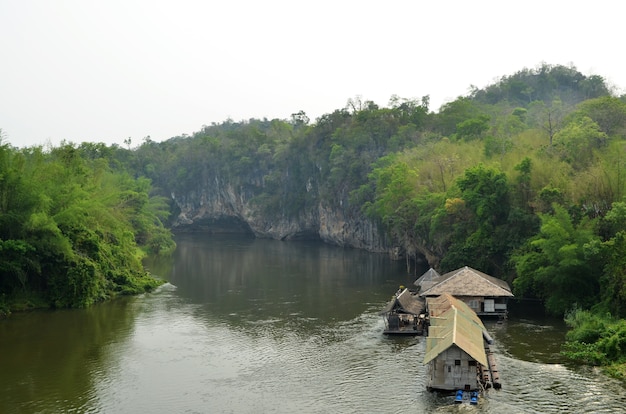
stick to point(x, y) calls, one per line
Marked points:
point(439, 305)
point(469, 282)
point(457, 325)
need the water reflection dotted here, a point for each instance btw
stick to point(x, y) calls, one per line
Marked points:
point(256, 326)
point(528, 334)
point(50, 360)
point(273, 283)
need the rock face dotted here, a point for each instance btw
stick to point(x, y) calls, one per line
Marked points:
point(220, 207)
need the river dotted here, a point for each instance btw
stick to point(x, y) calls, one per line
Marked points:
point(264, 326)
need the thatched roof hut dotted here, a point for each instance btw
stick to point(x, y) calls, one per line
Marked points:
point(405, 302)
point(485, 295)
point(427, 280)
point(402, 314)
point(455, 344)
point(468, 282)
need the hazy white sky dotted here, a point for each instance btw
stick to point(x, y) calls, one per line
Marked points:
point(107, 70)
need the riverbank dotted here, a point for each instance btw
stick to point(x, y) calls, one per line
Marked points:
point(21, 303)
point(32, 301)
point(617, 371)
point(598, 340)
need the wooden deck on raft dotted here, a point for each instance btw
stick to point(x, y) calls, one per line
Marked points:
point(406, 325)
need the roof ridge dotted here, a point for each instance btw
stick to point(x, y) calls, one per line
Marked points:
point(456, 315)
point(483, 276)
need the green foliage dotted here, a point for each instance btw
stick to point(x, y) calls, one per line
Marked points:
point(534, 160)
point(481, 213)
point(613, 278)
point(522, 179)
point(472, 128)
point(72, 228)
point(585, 353)
point(485, 192)
point(594, 338)
point(608, 112)
point(578, 141)
point(454, 114)
point(524, 192)
point(557, 266)
point(394, 185)
point(543, 83)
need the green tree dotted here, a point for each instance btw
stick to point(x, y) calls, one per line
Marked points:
point(19, 200)
point(557, 265)
point(578, 141)
point(72, 230)
point(484, 210)
point(472, 128)
point(454, 113)
point(607, 111)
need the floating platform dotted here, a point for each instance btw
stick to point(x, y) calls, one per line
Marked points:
point(404, 314)
point(489, 375)
point(495, 375)
point(405, 324)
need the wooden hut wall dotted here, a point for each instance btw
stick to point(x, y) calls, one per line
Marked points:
point(453, 369)
point(479, 304)
point(475, 303)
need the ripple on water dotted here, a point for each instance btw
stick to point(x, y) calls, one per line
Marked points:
point(552, 388)
point(201, 363)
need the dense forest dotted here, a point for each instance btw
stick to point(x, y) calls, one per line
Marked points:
point(74, 227)
point(522, 180)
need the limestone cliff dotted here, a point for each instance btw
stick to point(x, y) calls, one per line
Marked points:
point(220, 207)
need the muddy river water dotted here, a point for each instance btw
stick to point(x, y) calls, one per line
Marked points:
point(261, 326)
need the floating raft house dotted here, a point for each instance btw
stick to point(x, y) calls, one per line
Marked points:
point(403, 315)
point(458, 352)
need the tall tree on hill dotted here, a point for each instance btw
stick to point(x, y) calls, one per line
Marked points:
point(558, 266)
point(484, 204)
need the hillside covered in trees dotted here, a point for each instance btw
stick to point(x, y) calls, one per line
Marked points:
point(522, 179)
point(487, 181)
